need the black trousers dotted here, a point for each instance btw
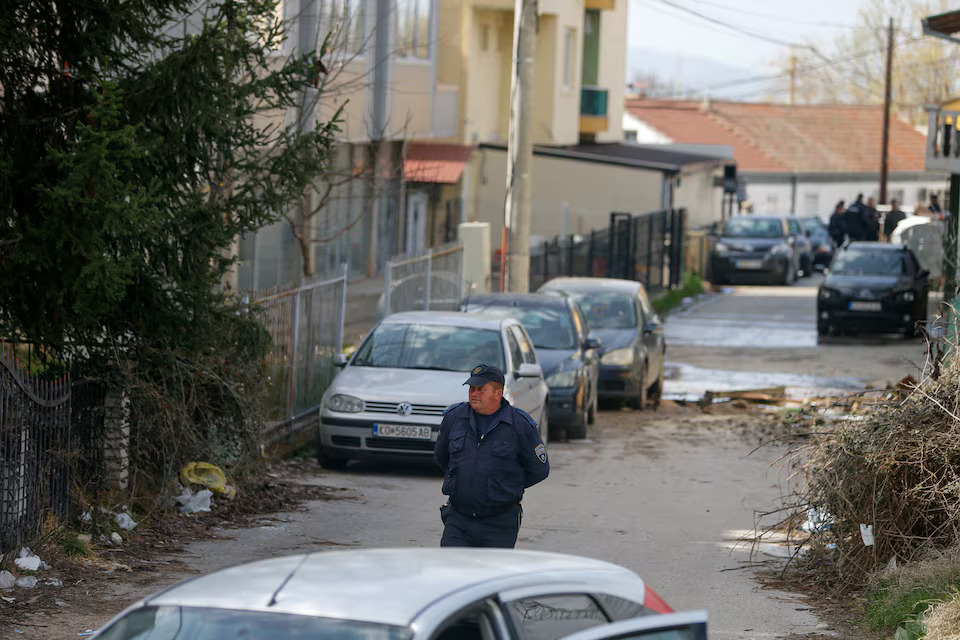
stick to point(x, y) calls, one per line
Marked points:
point(499, 530)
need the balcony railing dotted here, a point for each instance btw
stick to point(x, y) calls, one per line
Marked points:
point(943, 140)
point(593, 101)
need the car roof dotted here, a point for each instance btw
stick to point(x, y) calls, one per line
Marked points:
point(450, 318)
point(595, 284)
point(387, 586)
point(753, 217)
point(518, 300)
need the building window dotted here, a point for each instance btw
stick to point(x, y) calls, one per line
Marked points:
point(773, 202)
point(413, 28)
point(344, 21)
point(811, 204)
point(630, 135)
point(569, 41)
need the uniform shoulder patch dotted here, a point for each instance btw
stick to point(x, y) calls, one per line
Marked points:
point(541, 452)
point(526, 416)
point(452, 407)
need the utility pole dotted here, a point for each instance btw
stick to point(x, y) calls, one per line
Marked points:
point(886, 116)
point(793, 79)
point(516, 214)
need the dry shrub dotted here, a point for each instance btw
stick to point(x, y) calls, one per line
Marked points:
point(942, 621)
point(898, 470)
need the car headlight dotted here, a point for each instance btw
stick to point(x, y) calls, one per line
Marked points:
point(562, 379)
point(721, 249)
point(906, 296)
point(618, 357)
point(782, 249)
point(828, 294)
point(345, 404)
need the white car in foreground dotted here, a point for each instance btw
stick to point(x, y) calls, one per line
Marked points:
point(390, 396)
point(411, 594)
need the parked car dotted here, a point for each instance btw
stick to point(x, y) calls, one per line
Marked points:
point(803, 245)
point(755, 248)
point(390, 396)
point(620, 315)
point(823, 245)
point(570, 357)
point(873, 286)
point(410, 594)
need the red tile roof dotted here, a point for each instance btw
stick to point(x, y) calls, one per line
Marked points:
point(440, 163)
point(783, 138)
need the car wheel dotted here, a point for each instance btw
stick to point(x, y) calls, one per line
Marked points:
point(639, 401)
point(910, 331)
point(656, 390)
point(823, 329)
point(592, 411)
point(329, 461)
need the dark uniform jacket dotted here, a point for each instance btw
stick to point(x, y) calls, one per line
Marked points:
point(487, 473)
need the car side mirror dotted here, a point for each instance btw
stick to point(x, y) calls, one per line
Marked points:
point(528, 370)
point(592, 343)
point(923, 273)
point(651, 327)
point(340, 360)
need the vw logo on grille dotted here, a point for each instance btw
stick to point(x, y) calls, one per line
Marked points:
point(866, 293)
point(404, 408)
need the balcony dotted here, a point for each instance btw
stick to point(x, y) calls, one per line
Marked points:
point(593, 110)
point(603, 5)
point(943, 140)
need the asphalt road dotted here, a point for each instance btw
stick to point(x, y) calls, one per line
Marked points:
point(670, 494)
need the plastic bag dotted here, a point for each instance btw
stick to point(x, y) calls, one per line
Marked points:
point(206, 475)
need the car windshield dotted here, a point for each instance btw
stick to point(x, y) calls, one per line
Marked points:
point(866, 262)
point(754, 228)
point(429, 346)
point(196, 623)
point(549, 327)
point(607, 310)
point(813, 225)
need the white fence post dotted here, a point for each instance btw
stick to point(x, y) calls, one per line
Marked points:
point(343, 307)
point(388, 278)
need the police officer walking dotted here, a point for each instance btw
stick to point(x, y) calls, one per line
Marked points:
point(489, 451)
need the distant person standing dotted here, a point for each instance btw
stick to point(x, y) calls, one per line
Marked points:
point(837, 227)
point(892, 219)
point(934, 207)
point(856, 229)
point(871, 221)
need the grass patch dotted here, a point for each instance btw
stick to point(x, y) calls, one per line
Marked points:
point(692, 285)
point(69, 545)
point(901, 597)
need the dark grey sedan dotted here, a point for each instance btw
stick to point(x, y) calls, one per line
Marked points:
point(755, 248)
point(620, 315)
point(569, 357)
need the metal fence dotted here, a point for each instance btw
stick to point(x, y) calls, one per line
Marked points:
point(34, 450)
point(307, 329)
point(432, 280)
point(649, 248)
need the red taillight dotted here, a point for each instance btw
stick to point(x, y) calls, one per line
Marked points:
point(653, 601)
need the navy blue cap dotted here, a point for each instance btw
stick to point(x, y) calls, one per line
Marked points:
point(484, 373)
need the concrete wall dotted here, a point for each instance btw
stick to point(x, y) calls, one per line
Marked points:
point(697, 194)
point(591, 190)
point(820, 197)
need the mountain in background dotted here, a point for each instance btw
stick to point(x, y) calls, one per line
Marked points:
point(667, 74)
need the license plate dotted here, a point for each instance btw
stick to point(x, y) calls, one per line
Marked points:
point(749, 264)
point(401, 431)
point(859, 305)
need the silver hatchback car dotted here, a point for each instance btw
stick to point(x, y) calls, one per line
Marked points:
point(410, 594)
point(390, 396)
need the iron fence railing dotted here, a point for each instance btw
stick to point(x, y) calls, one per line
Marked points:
point(432, 280)
point(307, 329)
point(649, 248)
point(34, 450)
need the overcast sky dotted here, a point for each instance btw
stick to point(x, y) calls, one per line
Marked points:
point(664, 25)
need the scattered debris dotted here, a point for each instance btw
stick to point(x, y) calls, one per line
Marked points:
point(7, 580)
point(26, 582)
point(191, 502)
point(116, 539)
point(124, 521)
point(27, 560)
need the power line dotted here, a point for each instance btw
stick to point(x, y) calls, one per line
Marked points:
point(731, 27)
point(833, 25)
